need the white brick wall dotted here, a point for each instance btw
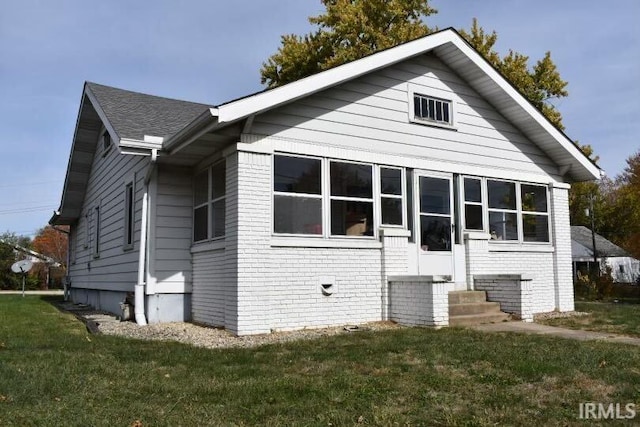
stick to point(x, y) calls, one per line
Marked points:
point(562, 256)
point(278, 287)
point(513, 292)
point(539, 266)
point(395, 260)
point(418, 301)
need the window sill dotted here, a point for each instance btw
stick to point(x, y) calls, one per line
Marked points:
point(433, 124)
point(214, 245)
point(520, 247)
point(311, 242)
point(127, 248)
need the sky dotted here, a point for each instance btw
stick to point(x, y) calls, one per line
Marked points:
point(211, 51)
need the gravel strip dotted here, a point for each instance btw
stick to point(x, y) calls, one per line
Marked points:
point(203, 336)
point(558, 315)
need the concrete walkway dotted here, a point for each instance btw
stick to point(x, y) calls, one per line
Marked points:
point(538, 329)
point(49, 292)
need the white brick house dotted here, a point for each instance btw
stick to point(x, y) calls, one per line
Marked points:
point(293, 207)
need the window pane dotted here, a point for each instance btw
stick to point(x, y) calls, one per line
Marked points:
point(391, 181)
point(200, 223)
point(391, 211)
point(472, 192)
point(534, 198)
point(535, 228)
point(445, 112)
point(502, 195)
point(351, 218)
point(473, 217)
point(439, 107)
point(351, 180)
point(434, 195)
point(503, 226)
point(435, 233)
point(425, 107)
point(218, 218)
point(416, 106)
point(296, 175)
point(297, 215)
point(130, 215)
point(201, 188)
point(218, 180)
point(432, 109)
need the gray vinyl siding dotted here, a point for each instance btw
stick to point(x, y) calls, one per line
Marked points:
point(115, 269)
point(371, 114)
point(172, 218)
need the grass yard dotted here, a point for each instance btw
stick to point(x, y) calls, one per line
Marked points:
point(618, 318)
point(52, 372)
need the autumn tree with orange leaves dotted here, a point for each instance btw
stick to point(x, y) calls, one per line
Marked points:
point(52, 243)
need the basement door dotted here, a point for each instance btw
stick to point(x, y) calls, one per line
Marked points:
point(434, 223)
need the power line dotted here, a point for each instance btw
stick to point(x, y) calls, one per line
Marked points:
point(23, 184)
point(34, 209)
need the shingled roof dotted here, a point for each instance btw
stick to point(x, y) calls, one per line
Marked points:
point(605, 248)
point(133, 114)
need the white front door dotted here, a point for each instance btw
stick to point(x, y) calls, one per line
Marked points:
point(434, 223)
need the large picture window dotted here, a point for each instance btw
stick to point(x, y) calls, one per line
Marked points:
point(351, 199)
point(209, 203)
point(516, 212)
point(297, 195)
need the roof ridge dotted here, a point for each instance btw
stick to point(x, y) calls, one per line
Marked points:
point(90, 84)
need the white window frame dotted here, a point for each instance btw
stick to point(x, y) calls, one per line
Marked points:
point(330, 198)
point(129, 214)
point(402, 197)
point(421, 91)
point(320, 196)
point(522, 212)
point(210, 201)
point(518, 211)
point(464, 203)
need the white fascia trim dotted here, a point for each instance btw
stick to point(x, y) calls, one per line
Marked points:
point(115, 138)
point(485, 67)
point(136, 143)
point(304, 87)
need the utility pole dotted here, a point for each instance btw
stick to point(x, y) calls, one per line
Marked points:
point(593, 235)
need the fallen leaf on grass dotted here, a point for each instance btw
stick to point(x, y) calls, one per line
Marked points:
point(603, 364)
point(137, 423)
point(167, 375)
point(88, 339)
point(3, 398)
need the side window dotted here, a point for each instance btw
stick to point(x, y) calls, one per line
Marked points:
point(391, 196)
point(105, 139)
point(96, 232)
point(535, 213)
point(209, 203)
point(351, 199)
point(297, 195)
point(473, 216)
point(129, 215)
point(503, 213)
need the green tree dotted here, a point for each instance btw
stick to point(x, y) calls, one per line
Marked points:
point(9, 279)
point(352, 29)
point(348, 30)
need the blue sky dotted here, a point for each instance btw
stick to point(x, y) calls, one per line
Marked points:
point(211, 51)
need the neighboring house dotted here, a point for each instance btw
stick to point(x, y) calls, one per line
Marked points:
point(624, 268)
point(315, 203)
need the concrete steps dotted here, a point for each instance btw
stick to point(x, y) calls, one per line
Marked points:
point(468, 308)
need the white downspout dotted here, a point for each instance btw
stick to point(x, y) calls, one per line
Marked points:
point(142, 273)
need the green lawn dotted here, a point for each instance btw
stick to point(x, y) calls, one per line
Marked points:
point(619, 318)
point(52, 372)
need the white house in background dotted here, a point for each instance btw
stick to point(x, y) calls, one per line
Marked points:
point(365, 192)
point(624, 268)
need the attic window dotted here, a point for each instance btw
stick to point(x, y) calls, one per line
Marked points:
point(106, 142)
point(432, 109)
